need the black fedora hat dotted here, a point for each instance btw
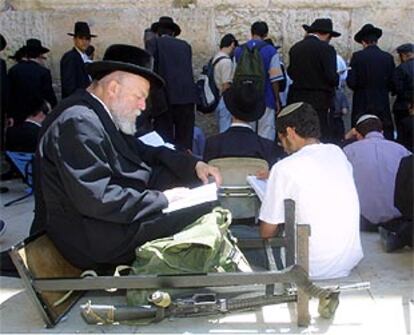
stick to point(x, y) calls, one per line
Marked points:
point(35, 48)
point(367, 30)
point(323, 25)
point(166, 22)
point(3, 42)
point(244, 102)
point(127, 58)
point(81, 29)
point(405, 48)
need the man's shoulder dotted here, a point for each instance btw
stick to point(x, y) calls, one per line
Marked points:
point(72, 53)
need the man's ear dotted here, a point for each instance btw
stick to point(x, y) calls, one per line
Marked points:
point(113, 87)
point(290, 132)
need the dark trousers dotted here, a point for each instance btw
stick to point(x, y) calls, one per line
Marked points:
point(320, 101)
point(177, 125)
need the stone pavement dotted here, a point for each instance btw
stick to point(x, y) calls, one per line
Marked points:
point(387, 308)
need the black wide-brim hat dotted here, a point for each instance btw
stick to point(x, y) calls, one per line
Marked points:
point(126, 58)
point(367, 30)
point(34, 46)
point(81, 29)
point(321, 26)
point(3, 42)
point(166, 22)
point(19, 54)
point(244, 102)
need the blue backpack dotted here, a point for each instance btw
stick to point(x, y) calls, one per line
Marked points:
point(208, 92)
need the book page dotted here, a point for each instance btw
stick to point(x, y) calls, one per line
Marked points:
point(153, 139)
point(196, 196)
point(258, 185)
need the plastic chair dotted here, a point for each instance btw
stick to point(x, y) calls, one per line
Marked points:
point(235, 194)
point(24, 164)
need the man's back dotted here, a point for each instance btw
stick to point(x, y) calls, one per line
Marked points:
point(29, 79)
point(375, 162)
point(173, 61)
point(313, 65)
point(240, 141)
point(319, 179)
point(22, 138)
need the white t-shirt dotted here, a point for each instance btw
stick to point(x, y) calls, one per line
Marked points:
point(223, 70)
point(319, 179)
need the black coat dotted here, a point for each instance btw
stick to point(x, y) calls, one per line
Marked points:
point(241, 142)
point(403, 84)
point(23, 137)
point(92, 195)
point(72, 73)
point(370, 79)
point(173, 62)
point(312, 69)
point(403, 195)
point(28, 79)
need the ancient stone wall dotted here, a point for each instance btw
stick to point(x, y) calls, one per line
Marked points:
point(203, 22)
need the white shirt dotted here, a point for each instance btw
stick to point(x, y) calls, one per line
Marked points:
point(319, 179)
point(223, 70)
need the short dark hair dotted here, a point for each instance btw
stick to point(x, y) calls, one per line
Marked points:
point(371, 124)
point(259, 28)
point(303, 119)
point(165, 31)
point(227, 40)
point(370, 39)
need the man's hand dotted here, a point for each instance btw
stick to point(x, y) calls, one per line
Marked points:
point(204, 171)
point(351, 134)
point(262, 174)
point(177, 193)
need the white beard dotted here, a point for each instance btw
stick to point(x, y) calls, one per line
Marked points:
point(126, 125)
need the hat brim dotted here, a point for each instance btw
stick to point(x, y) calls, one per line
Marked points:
point(82, 35)
point(37, 50)
point(362, 33)
point(309, 29)
point(173, 26)
point(96, 69)
point(252, 115)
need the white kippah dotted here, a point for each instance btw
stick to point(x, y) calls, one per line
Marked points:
point(289, 109)
point(366, 117)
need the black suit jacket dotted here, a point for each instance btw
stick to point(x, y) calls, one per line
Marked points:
point(241, 142)
point(173, 62)
point(403, 83)
point(22, 138)
point(72, 73)
point(370, 79)
point(92, 195)
point(312, 69)
point(28, 79)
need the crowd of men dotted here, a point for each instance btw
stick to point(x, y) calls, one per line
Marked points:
point(100, 192)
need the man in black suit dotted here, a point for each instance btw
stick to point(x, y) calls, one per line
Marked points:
point(72, 65)
point(313, 70)
point(3, 91)
point(173, 62)
point(30, 78)
point(23, 137)
point(403, 86)
point(370, 78)
point(245, 105)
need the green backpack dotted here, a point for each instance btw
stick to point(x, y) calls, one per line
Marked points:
point(204, 246)
point(250, 67)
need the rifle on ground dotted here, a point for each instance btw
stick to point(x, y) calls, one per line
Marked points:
point(202, 304)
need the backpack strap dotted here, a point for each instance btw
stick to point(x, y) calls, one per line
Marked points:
point(219, 59)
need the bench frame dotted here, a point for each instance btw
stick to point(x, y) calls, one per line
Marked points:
point(295, 242)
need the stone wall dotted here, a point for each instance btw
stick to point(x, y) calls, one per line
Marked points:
point(203, 22)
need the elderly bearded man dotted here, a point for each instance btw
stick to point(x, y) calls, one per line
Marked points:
point(100, 193)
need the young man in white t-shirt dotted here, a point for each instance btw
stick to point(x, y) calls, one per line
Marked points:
point(318, 177)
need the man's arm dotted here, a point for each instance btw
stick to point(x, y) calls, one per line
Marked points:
point(82, 155)
point(68, 75)
point(268, 230)
point(352, 80)
point(329, 66)
point(276, 75)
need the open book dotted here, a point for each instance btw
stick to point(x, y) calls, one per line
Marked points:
point(153, 139)
point(196, 196)
point(258, 185)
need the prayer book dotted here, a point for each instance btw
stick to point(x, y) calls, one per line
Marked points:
point(153, 139)
point(196, 196)
point(258, 185)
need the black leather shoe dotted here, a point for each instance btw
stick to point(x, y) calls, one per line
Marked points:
point(391, 241)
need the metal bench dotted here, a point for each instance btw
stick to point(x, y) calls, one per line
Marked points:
point(47, 275)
